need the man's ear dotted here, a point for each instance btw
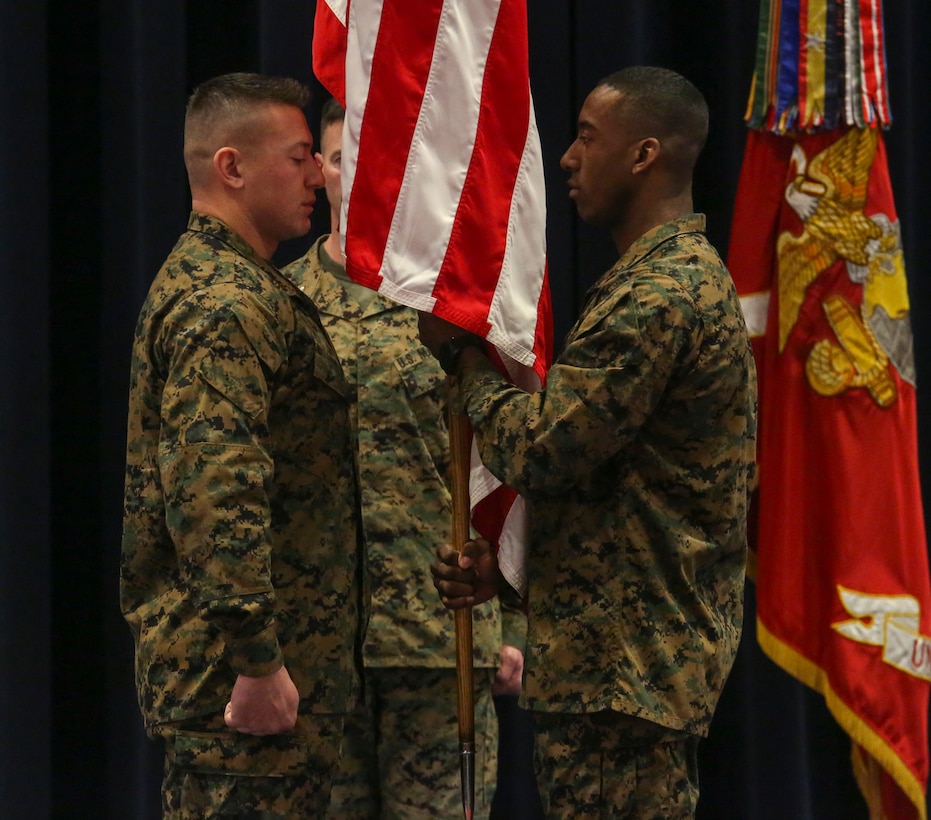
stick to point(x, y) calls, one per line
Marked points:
point(226, 162)
point(647, 152)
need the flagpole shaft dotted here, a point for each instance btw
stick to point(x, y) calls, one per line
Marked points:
point(460, 441)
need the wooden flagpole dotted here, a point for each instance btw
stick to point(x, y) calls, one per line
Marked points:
point(460, 442)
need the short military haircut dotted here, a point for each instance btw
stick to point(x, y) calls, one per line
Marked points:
point(332, 112)
point(666, 104)
point(224, 108)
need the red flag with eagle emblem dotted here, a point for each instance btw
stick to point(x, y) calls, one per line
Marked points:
point(843, 588)
point(843, 600)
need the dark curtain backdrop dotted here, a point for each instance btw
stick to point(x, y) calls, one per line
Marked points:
point(93, 196)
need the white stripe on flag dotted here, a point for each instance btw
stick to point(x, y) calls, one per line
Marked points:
point(338, 8)
point(526, 246)
point(512, 546)
point(360, 50)
point(440, 150)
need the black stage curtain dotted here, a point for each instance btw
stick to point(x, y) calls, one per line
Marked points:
point(93, 196)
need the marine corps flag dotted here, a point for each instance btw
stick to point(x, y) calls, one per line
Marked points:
point(843, 590)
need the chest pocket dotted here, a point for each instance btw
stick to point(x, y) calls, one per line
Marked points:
point(424, 383)
point(312, 394)
point(326, 367)
point(420, 374)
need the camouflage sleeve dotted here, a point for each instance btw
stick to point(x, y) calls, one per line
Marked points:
point(604, 385)
point(513, 619)
point(215, 465)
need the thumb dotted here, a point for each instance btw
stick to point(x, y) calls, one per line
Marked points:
point(476, 549)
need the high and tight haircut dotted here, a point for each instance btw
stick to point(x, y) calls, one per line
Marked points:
point(230, 101)
point(665, 102)
point(231, 93)
point(332, 112)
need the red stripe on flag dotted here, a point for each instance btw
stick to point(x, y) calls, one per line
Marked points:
point(543, 336)
point(489, 514)
point(475, 254)
point(400, 69)
point(329, 50)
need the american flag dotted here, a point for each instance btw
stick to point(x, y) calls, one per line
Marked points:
point(443, 191)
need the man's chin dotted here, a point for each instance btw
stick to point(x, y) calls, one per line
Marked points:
point(299, 229)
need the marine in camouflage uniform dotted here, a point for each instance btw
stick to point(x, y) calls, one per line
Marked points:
point(401, 750)
point(637, 460)
point(241, 554)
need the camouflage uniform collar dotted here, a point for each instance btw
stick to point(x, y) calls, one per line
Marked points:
point(202, 223)
point(339, 295)
point(217, 228)
point(327, 262)
point(653, 238)
point(643, 247)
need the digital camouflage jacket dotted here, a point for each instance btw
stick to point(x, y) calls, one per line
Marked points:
point(638, 460)
point(240, 538)
point(403, 461)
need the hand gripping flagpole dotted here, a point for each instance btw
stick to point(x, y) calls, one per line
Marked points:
point(460, 442)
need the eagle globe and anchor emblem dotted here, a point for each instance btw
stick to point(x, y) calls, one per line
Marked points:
point(828, 193)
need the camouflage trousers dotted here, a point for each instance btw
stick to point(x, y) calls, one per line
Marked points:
point(213, 772)
point(400, 756)
point(607, 765)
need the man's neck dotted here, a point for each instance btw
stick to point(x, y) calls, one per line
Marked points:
point(332, 246)
point(625, 235)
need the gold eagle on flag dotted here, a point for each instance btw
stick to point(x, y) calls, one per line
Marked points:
point(829, 195)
